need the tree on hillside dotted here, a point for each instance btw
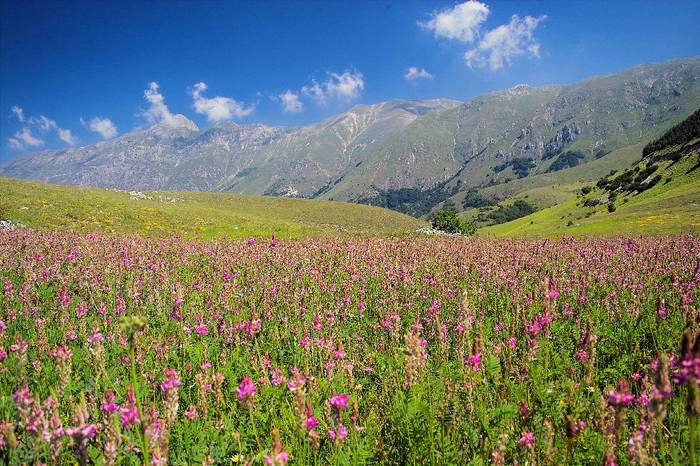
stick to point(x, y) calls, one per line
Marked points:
point(447, 221)
point(685, 131)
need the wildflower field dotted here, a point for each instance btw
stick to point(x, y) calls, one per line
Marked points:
point(128, 350)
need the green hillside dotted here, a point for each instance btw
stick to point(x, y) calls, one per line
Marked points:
point(514, 140)
point(153, 213)
point(658, 195)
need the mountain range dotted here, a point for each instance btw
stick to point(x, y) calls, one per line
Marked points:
point(403, 154)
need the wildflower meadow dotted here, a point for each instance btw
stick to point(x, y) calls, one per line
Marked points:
point(117, 349)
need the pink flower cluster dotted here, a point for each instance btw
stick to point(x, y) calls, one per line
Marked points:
point(246, 389)
point(474, 361)
point(172, 380)
point(108, 405)
point(622, 397)
point(340, 401)
point(686, 368)
point(527, 439)
point(338, 434)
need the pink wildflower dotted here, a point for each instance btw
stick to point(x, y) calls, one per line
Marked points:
point(172, 380)
point(191, 413)
point(108, 405)
point(129, 416)
point(311, 422)
point(129, 413)
point(527, 438)
point(474, 361)
point(246, 390)
point(342, 432)
point(340, 401)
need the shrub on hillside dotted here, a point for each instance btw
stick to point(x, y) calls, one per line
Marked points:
point(519, 208)
point(447, 221)
point(521, 166)
point(474, 199)
point(566, 160)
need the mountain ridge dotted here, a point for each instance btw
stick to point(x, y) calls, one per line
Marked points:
point(371, 152)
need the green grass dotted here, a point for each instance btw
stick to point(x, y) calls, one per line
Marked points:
point(667, 208)
point(42, 206)
point(548, 196)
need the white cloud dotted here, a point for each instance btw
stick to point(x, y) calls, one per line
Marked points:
point(218, 108)
point(499, 46)
point(315, 91)
point(461, 22)
point(67, 137)
point(103, 126)
point(19, 113)
point(15, 144)
point(158, 111)
point(494, 48)
point(414, 73)
point(43, 123)
point(346, 86)
point(24, 138)
point(290, 102)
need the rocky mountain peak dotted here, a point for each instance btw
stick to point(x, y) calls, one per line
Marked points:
point(174, 122)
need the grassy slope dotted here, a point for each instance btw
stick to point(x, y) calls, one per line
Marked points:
point(39, 205)
point(668, 207)
point(542, 198)
point(592, 171)
point(548, 189)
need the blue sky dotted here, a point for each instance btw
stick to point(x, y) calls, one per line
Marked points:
point(74, 73)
